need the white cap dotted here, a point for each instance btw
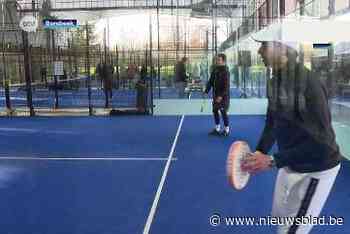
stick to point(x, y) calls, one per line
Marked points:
point(275, 33)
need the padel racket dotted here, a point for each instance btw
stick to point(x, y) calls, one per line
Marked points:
point(238, 152)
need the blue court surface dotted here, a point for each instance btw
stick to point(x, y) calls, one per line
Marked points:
point(162, 175)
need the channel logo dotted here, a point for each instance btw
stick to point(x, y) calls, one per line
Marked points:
point(60, 23)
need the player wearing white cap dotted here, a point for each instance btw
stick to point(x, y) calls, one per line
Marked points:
point(299, 120)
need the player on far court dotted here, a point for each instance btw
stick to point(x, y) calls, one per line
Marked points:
point(181, 77)
point(299, 120)
point(220, 83)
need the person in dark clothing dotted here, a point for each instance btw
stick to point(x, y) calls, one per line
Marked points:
point(43, 72)
point(181, 77)
point(141, 87)
point(65, 76)
point(99, 72)
point(220, 83)
point(143, 72)
point(107, 78)
point(299, 120)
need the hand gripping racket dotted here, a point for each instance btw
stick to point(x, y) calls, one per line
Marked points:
point(237, 178)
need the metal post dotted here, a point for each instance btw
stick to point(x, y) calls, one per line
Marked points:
point(70, 57)
point(108, 34)
point(185, 40)
point(166, 64)
point(28, 72)
point(207, 53)
point(100, 53)
point(214, 27)
point(259, 85)
point(138, 58)
point(130, 55)
point(330, 74)
point(331, 8)
point(146, 56)
point(4, 72)
point(87, 67)
point(244, 81)
point(105, 44)
point(33, 7)
point(177, 31)
point(53, 61)
point(117, 66)
point(134, 55)
point(302, 7)
point(151, 60)
point(75, 59)
point(158, 58)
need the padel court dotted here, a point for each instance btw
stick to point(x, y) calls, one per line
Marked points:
point(104, 123)
point(160, 174)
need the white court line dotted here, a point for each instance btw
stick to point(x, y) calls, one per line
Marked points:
point(162, 181)
point(32, 130)
point(19, 130)
point(81, 159)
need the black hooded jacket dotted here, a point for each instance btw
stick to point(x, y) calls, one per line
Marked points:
point(220, 83)
point(299, 120)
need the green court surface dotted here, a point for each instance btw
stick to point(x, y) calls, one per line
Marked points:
point(343, 136)
point(253, 106)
